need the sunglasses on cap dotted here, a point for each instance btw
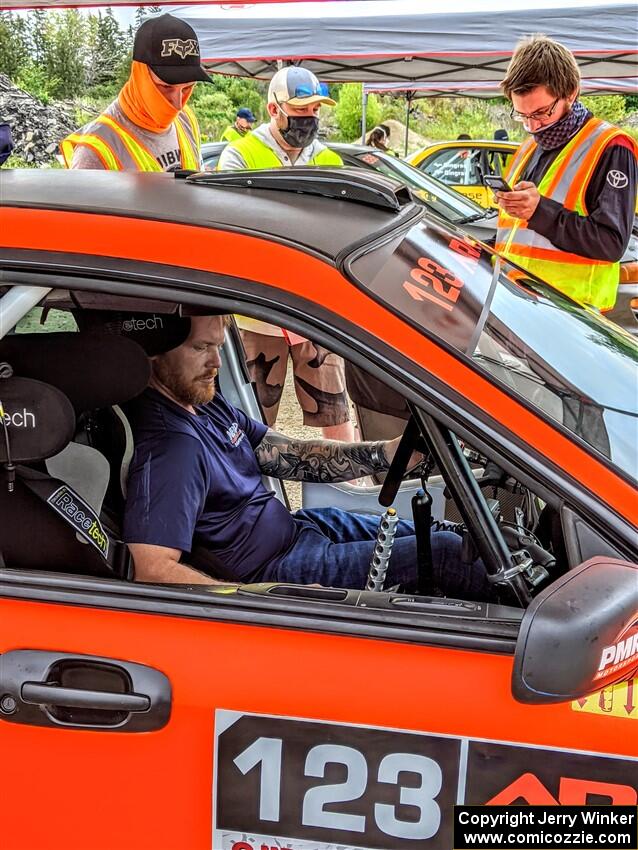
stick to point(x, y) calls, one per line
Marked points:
point(307, 90)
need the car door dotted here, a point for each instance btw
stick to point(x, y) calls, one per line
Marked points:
point(172, 717)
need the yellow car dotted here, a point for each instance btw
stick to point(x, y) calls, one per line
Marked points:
point(462, 164)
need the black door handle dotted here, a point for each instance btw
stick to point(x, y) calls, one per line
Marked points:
point(82, 692)
point(37, 693)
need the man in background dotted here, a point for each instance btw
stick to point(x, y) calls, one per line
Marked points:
point(243, 124)
point(149, 126)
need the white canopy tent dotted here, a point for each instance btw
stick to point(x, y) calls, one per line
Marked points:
point(402, 41)
point(8, 5)
point(414, 46)
point(589, 86)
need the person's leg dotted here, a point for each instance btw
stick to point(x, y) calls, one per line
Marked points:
point(321, 389)
point(267, 361)
point(337, 552)
point(341, 526)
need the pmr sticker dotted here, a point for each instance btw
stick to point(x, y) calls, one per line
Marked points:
point(285, 783)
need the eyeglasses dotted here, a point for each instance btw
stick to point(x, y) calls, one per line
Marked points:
point(534, 116)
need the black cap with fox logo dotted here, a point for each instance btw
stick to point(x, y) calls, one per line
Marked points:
point(171, 50)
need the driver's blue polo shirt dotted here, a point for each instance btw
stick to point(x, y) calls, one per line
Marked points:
point(195, 479)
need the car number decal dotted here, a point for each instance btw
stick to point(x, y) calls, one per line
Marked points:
point(438, 283)
point(282, 782)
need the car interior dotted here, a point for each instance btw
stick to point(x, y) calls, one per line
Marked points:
point(65, 447)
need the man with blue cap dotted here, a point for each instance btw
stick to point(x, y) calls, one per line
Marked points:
point(244, 121)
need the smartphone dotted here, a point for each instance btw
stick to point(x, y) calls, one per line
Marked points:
point(496, 184)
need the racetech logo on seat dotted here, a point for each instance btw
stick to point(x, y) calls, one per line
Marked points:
point(151, 323)
point(18, 418)
point(75, 511)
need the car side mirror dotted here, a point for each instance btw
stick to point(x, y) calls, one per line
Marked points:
point(579, 635)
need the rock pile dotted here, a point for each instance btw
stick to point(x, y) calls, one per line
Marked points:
point(37, 129)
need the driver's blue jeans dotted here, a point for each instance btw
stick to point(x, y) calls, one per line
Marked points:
point(334, 548)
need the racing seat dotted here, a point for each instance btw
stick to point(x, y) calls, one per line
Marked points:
point(54, 517)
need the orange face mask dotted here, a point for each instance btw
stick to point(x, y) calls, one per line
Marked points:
point(144, 104)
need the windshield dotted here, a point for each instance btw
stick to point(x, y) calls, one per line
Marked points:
point(571, 364)
point(446, 202)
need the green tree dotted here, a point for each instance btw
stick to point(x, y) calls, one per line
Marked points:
point(140, 14)
point(610, 107)
point(106, 49)
point(14, 44)
point(65, 60)
point(40, 35)
point(216, 103)
point(348, 111)
point(33, 78)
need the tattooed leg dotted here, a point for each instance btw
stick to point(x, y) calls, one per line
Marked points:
point(320, 461)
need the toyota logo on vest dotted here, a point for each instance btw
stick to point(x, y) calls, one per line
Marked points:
point(617, 179)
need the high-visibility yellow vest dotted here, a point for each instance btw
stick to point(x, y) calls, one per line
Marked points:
point(231, 134)
point(256, 154)
point(120, 150)
point(585, 280)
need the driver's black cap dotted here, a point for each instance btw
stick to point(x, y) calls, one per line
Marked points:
point(171, 50)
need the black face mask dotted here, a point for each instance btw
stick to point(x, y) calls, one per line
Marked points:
point(301, 131)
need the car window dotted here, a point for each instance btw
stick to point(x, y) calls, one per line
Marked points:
point(459, 166)
point(46, 320)
point(573, 366)
point(498, 162)
point(446, 202)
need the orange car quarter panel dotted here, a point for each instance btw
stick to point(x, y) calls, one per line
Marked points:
point(245, 710)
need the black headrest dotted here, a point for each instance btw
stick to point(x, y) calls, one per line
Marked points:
point(157, 332)
point(92, 370)
point(40, 420)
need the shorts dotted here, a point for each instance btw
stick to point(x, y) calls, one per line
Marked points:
point(319, 378)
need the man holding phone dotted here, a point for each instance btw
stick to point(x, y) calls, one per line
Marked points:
point(569, 214)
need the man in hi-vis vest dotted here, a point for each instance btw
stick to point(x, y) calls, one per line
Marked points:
point(290, 139)
point(242, 125)
point(148, 127)
point(569, 216)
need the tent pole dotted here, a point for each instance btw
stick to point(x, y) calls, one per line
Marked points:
point(408, 101)
point(364, 111)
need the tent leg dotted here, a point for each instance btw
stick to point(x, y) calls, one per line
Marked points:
point(364, 115)
point(408, 101)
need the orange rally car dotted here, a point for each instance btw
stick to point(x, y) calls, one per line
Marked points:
point(173, 717)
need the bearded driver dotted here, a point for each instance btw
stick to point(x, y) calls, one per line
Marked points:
point(149, 126)
point(195, 483)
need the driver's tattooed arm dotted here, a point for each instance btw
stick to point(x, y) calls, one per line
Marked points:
point(318, 461)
